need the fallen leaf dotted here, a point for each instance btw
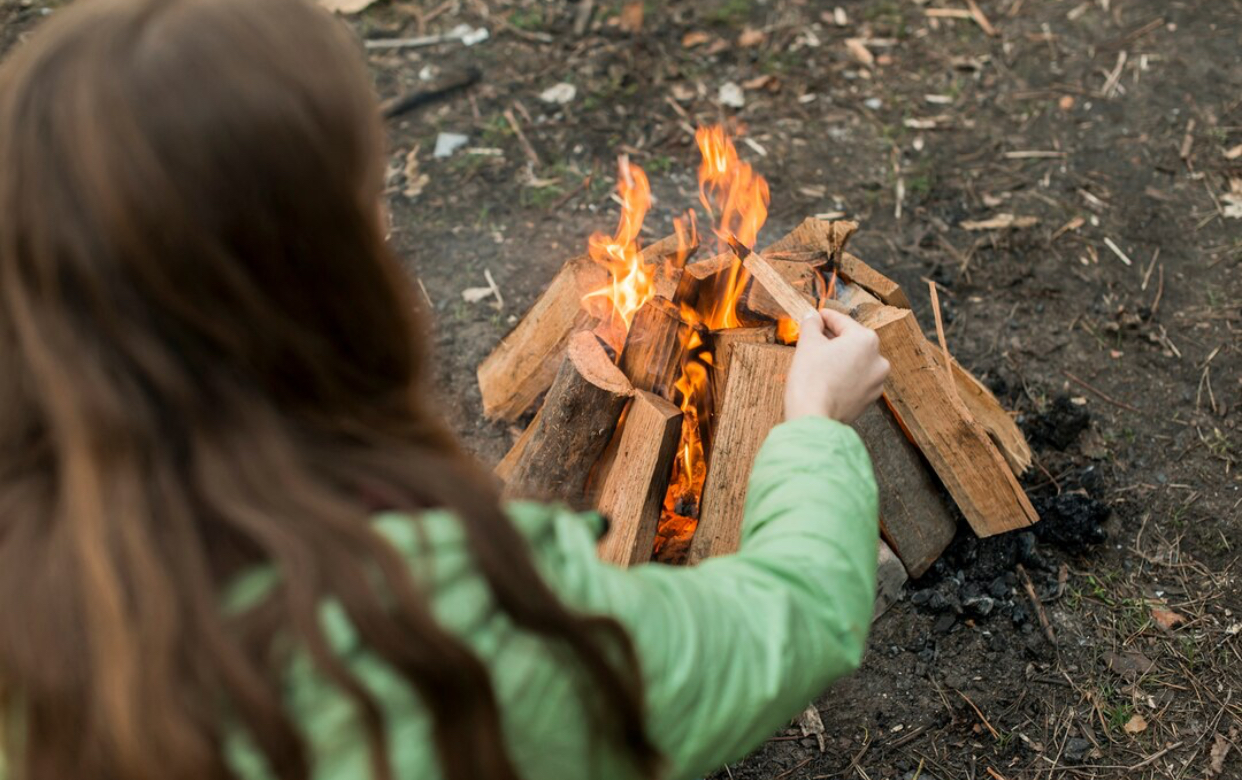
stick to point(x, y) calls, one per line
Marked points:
point(1166, 618)
point(345, 6)
point(1232, 208)
point(1130, 665)
point(1001, 222)
point(1234, 153)
point(414, 181)
point(751, 37)
point(695, 38)
point(1216, 757)
point(632, 17)
point(859, 51)
point(1135, 725)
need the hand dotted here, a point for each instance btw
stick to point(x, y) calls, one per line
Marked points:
point(837, 369)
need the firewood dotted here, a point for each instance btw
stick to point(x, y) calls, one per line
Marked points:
point(699, 279)
point(958, 448)
point(651, 358)
point(753, 405)
point(831, 238)
point(524, 363)
point(723, 343)
point(914, 518)
point(890, 578)
point(633, 486)
point(572, 427)
point(795, 302)
point(804, 275)
point(505, 467)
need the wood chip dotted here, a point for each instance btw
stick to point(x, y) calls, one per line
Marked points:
point(977, 14)
point(1166, 619)
point(1033, 155)
point(1233, 154)
point(345, 6)
point(1108, 242)
point(695, 38)
point(751, 37)
point(1001, 222)
point(948, 13)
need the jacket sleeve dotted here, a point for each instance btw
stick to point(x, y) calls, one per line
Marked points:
point(734, 648)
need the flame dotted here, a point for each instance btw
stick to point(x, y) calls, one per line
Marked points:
point(787, 330)
point(632, 280)
point(737, 199)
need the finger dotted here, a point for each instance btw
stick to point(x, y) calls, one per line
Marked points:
point(838, 324)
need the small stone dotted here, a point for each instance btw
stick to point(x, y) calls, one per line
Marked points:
point(875, 104)
point(921, 597)
point(731, 95)
point(980, 605)
point(447, 143)
point(1076, 750)
point(945, 624)
point(559, 94)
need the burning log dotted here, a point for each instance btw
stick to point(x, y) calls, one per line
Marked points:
point(958, 448)
point(635, 479)
point(524, 363)
point(572, 428)
point(699, 279)
point(652, 355)
point(914, 518)
point(753, 405)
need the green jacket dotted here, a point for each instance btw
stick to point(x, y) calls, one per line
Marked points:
point(730, 650)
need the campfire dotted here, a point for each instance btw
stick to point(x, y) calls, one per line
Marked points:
point(661, 374)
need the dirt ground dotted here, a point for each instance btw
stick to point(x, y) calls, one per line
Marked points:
point(1111, 321)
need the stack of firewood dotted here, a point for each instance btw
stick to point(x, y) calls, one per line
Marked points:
point(609, 428)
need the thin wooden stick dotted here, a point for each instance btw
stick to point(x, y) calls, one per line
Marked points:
point(793, 302)
point(977, 14)
point(1039, 605)
point(531, 154)
point(1103, 396)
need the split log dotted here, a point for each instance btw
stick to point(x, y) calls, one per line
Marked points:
point(914, 518)
point(505, 467)
point(724, 341)
point(524, 363)
point(890, 578)
point(702, 277)
point(633, 486)
point(753, 405)
point(873, 281)
point(958, 448)
point(989, 413)
point(793, 301)
point(572, 428)
point(652, 355)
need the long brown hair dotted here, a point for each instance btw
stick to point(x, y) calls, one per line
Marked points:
point(210, 361)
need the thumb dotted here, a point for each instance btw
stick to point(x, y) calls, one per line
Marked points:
point(811, 329)
point(838, 324)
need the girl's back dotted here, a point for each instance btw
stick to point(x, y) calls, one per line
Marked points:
point(236, 542)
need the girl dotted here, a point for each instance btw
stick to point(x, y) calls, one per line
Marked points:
point(235, 540)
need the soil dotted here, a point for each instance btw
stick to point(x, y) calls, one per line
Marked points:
point(1113, 326)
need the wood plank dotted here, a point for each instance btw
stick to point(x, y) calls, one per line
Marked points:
point(573, 427)
point(958, 448)
point(804, 276)
point(914, 516)
point(652, 355)
point(753, 405)
point(632, 492)
point(890, 580)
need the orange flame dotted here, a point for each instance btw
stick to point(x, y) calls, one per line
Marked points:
point(632, 280)
point(737, 198)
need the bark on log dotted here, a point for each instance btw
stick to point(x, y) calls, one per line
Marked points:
point(914, 517)
point(958, 448)
point(754, 404)
point(572, 428)
point(633, 487)
point(524, 363)
point(652, 355)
